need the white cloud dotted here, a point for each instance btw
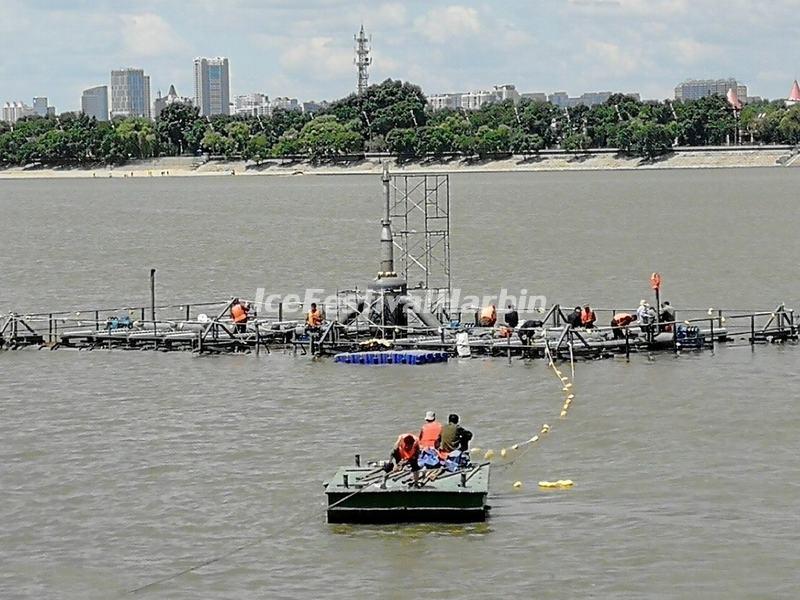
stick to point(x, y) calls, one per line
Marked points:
point(688, 51)
point(319, 57)
point(616, 60)
point(148, 35)
point(442, 24)
point(656, 8)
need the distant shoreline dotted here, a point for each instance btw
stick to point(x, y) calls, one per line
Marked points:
point(593, 160)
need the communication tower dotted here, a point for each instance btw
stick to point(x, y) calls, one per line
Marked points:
point(362, 59)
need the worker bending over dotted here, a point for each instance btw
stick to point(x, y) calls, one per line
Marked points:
point(406, 452)
point(488, 316)
point(620, 321)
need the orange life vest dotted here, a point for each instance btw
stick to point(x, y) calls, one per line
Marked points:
point(314, 318)
point(407, 453)
point(588, 317)
point(488, 315)
point(238, 313)
point(429, 434)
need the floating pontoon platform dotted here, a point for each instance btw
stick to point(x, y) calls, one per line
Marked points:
point(360, 495)
point(393, 357)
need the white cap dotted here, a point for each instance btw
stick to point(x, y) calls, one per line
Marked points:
point(430, 416)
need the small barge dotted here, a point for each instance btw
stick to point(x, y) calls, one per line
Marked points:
point(368, 495)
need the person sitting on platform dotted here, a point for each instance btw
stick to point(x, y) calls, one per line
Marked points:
point(454, 437)
point(431, 432)
point(488, 316)
point(313, 319)
point(406, 451)
point(588, 317)
point(239, 312)
point(619, 322)
point(574, 318)
point(512, 317)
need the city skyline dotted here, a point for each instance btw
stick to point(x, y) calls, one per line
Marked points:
point(574, 46)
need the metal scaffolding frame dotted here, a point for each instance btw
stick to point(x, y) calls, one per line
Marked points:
point(420, 212)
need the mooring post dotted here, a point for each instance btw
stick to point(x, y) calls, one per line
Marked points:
point(463, 479)
point(153, 297)
point(627, 345)
point(675, 333)
point(711, 321)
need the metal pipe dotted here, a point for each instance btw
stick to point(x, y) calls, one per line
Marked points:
point(153, 297)
point(387, 243)
point(627, 345)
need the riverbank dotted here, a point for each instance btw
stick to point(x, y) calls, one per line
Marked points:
point(595, 160)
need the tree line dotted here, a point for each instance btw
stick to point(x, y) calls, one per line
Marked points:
point(393, 117)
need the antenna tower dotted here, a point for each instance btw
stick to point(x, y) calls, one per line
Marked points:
point(362, 59)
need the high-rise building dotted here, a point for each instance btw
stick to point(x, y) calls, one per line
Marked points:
point(94, 102)
point(251, 105)
point(212, 86)
point(14, 111)
point(172, 97)
point(694, 89)
point(130, 93)
point(40, 105)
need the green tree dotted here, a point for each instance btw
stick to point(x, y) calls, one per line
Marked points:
point(789, 126)
point(402, 141)
point(258, 148)
point(214, 142)
point(325, 136)
point(288, 144)
point(138, 137)
point(238, 135)
point(174, 125)
point(493, 140)
point(576, 142)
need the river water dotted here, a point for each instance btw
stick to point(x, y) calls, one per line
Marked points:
point(118, 468)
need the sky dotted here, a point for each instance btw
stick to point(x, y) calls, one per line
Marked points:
point(304, 48)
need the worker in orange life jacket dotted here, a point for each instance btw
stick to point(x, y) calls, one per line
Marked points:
point(620, 321)
point(488, 316)
point(239, 312)
point(431, 433)
point(313, 318)
point(406, 451)
point(588, 317)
